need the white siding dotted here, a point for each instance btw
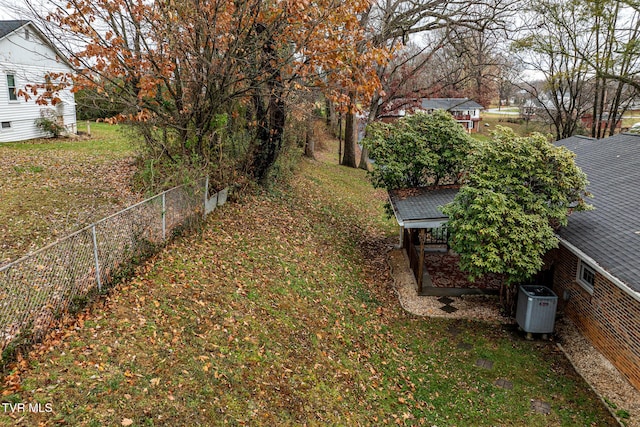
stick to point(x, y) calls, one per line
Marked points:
point(29, 61)
point(474, 114)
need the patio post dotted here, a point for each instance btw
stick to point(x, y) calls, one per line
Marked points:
point(422, 236)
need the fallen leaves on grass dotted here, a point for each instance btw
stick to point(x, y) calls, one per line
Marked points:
point(280, 312)
point(47, 194)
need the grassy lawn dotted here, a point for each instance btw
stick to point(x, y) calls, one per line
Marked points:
point(281, 311)
point(630, 118)
point(50, 188)
point(494, 120)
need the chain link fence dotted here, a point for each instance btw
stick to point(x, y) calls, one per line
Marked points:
point(39, 287)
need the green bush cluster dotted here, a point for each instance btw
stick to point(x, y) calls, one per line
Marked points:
point(48, 123)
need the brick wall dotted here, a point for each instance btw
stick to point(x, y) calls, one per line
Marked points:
point(610, 318)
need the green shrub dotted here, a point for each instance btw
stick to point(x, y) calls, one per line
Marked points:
point(48, 123)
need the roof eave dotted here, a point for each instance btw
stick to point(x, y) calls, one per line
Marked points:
point(395, 211)
point(16, 29)
point(45, 39)
point(425, 223)
point(593, 263)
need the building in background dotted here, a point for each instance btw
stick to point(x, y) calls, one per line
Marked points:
point(27, 56)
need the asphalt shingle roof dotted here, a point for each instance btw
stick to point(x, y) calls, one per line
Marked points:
point(421, 203)
point(609, 234)
point(450, 104)
point(8, 27)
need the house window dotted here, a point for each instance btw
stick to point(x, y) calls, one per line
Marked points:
point(586, 276)
point(6, 125)
point(11, 84)
point(26, 34)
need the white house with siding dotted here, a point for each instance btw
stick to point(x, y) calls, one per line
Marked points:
point(26, 57)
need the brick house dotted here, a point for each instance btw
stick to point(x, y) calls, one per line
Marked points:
point(596, 269)
point(587, 121)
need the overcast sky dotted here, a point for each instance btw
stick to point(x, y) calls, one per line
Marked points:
point(4, 15)
point(16, 9)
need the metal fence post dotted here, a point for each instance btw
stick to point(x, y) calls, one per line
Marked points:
point(74, 275)
point(95, 255)
point(164, 217)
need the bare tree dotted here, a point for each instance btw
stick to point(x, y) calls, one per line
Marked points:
point(178, 66)
point(507, 76)
point(394, 23)
point(588, 55)
point(547, 50)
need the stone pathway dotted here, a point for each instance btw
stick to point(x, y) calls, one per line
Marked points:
point(539, 406)
point(447, 307)
point(502, 383)
point(484, 363)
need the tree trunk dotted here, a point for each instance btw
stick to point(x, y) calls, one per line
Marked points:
point(270, 120)
point(374, 108)
point(594, 110)
point(330, 116)
point(349, 158)
point(340, 139)
point(508, 295)
point(309, 146)
point(614, 110)
point(364, 159)
point(603, 101)
point(270, 131)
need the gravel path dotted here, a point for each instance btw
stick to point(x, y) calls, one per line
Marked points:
point(599, 373)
